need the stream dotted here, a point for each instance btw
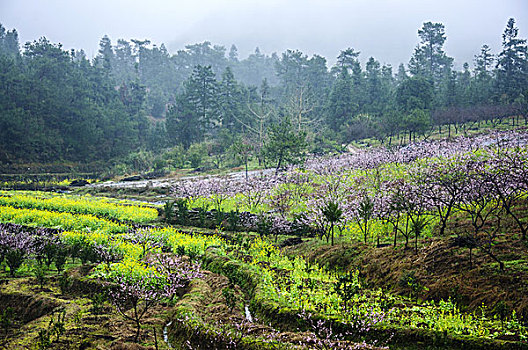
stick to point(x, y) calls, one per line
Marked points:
point(248, 314)
point(166, 334)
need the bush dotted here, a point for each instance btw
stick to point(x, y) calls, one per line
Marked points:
point(196, 154)
point(175, 157)
point(61, 254)
point(182, 212)
point(230, 297)
point(410, 282)
point(7, 318)
point(40, 274)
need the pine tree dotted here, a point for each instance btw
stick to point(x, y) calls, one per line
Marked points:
point(512, 64)
point(429, 59)
point(201, 92)
point(341, 107)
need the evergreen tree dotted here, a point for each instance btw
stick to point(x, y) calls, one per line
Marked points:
point(512, 64)
point(401, 75)
point(284, 145)
point(446, 92)
point(201, 92)
point(349, 59)
point(429, 59)
point(374, 97)
point(463, 86)
point(414, 98)
point(9, 44)
point(481, 87)
point(415, 93)
point(230, 100)
point(124, 68)
point(183, 123)
point(257, 67)
point(105, 56)
point(291, 70)
point(341, 107)
point(233, 54)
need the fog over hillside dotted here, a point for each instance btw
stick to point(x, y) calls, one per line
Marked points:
point(384, 29)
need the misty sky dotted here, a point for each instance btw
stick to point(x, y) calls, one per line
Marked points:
point(384, 29)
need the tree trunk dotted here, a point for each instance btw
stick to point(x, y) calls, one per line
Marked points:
point(246, 169)
point(138, 325)
point(443, 219)
point(494, 257)
point(407, 232)
point(279, 164)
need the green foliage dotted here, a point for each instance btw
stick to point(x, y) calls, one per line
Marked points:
point(175, 157)
point(203, 95)
point(183, 127)
point(98, 301)
point(137, 162)
point(168, 210)
point(196, 154)
point(40, 274)
point(60, 258)
point(44, 339)
point(410, 282)
point(7, 318)
point(284, 145)
point(233, 218)
point(56, 328)
point(429, 59)
point(65, 283)
point(417, 121)
point(230, 298)
point(347, 286)
point(415, 93)
point(341, 105)
point(502, 310)
point(333, 214)
point(512, 66)
point(264, 225)
point(294, 284)
point(59, 124)
point(365, 211)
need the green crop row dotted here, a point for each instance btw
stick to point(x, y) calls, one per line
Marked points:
point(101, 207)
point(296, 285)
point(65, 221)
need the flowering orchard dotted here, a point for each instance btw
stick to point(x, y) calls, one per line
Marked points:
point(375, 197)
point(407, 192)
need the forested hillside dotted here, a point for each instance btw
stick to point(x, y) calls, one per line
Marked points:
point(134, 97)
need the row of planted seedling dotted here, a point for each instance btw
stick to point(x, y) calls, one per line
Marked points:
point(135, 269)
point(293, 283)
point(133, 263)
point(300, 286)
point(136, 265)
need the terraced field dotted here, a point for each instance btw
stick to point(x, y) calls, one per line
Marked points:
point(343, 255)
